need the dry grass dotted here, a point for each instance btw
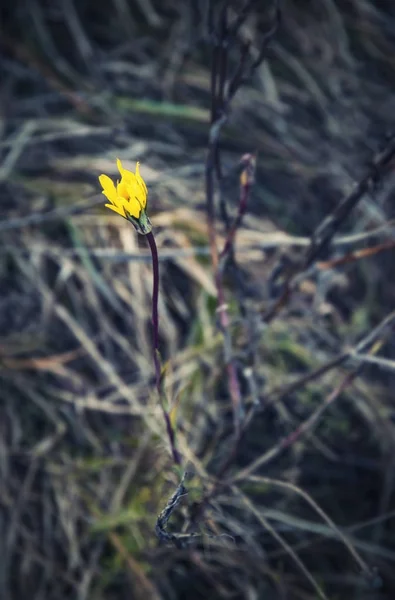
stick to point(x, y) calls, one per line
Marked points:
point(302, 507)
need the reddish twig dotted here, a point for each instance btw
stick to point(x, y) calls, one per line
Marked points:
point(357, 255)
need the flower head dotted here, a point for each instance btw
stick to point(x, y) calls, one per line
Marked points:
point(128, 198)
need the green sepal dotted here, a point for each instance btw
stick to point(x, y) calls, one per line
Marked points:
point(142, 225)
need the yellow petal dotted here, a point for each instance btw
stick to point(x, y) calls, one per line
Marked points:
point(120, 167)
point(127, 175)
point(133, 207)
point(140, 180)
point(118, 209)
point(129, 196)
point(108, 188)
point(136, 192)
point(142, 197)
point(123, 190)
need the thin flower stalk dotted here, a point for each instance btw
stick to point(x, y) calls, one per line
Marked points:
point(128, 198)
point(155, 341)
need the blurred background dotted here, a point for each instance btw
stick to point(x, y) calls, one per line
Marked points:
point(85, 466)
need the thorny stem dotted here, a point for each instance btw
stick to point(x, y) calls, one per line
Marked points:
point(223, 90)
point(223, 316)
point(212, 160)
point(155, 342)
point(233, 383)
point(246, 182)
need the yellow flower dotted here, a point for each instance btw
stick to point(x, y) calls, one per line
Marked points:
point(128, 198)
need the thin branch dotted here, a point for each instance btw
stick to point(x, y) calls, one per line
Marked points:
point(220, 105)
point(297, 433)
point(356, 255)
point(300, 492)
point(266, 525)
point(323, 235)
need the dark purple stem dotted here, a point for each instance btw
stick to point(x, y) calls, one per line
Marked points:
point(155, 298)
point(155, 342)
